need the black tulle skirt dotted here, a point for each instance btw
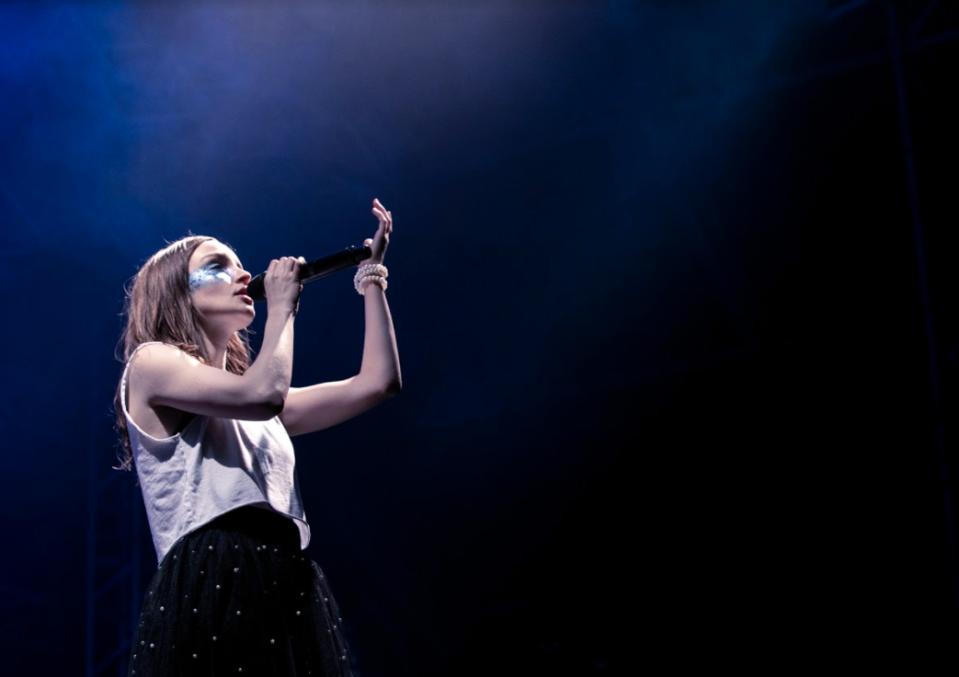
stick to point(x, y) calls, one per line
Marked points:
point(239, 597)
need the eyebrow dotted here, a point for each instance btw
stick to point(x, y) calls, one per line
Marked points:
point(221, 255)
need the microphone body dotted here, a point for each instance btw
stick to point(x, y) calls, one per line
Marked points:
point(314, 270)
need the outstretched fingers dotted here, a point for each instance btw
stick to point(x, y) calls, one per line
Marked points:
point(379, 242)
point(383, 215)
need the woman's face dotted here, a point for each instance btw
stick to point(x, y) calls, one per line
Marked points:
point(218, 287)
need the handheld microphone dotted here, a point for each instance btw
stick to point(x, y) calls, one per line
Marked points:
point(314, 270)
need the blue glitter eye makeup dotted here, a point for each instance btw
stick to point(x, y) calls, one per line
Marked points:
point(211, 273)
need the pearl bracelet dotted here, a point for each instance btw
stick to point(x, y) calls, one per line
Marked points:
point(371, 272)
point(377, 270)
point(371, 269)
point(370, 279)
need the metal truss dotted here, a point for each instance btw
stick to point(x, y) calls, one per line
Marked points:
point(901, 40)
point(115, 525)
point(906, 36)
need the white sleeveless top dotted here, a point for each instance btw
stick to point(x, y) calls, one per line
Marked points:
point(212, 466)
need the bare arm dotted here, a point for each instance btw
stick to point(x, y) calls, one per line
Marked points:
point(326, 404)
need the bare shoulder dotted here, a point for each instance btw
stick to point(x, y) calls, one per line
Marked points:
point(152, 367)
point(156, 359)
point(161, 353)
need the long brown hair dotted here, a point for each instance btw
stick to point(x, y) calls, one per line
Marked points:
point(158, 307)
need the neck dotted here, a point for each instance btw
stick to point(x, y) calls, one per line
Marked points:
point(215, 347)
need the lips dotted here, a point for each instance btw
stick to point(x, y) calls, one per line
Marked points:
point(242, 293)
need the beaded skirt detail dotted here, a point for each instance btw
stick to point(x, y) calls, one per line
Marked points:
point(239, 597)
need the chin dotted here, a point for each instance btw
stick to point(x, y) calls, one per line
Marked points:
point(247, 320)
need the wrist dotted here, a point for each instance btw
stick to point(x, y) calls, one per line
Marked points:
point(281, 309)
point(371, 281)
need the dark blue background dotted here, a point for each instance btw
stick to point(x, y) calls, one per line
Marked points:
point(657, 288)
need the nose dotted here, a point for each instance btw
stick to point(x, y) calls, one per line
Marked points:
point(243, 276)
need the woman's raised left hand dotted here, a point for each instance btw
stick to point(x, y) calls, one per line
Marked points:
point(379, 242)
